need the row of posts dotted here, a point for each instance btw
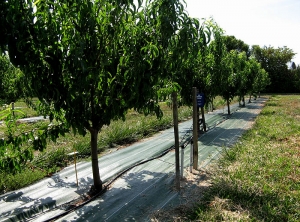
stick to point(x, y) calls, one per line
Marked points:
point(198, 102)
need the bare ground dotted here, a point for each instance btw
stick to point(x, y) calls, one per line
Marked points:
point(192, 188)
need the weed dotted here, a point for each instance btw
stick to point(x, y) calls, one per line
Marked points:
point(26, 177)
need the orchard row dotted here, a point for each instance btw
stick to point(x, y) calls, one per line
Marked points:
point(88, 62)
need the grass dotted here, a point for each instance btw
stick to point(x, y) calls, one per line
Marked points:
point(23, 107)
point(259, 178)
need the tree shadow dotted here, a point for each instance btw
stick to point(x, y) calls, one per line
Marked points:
point(128, 198)
point(23, 207)
point(244, 115)
point(59, 182)
point(227, 137)
point(134, 197)
point(26, 211)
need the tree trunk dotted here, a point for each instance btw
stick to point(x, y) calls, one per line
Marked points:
point(95, 166)
point(244, 101)
point(228, 106)
point(249, 99)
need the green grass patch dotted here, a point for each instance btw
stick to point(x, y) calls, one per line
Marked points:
point(28, 176)
point(24, 110)
point(259, 178)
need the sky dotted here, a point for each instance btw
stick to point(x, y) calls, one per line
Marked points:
point(256, 22)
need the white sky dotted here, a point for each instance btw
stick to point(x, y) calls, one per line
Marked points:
point(256, 22)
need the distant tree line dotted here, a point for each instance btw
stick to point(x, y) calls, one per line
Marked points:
point(283, 79)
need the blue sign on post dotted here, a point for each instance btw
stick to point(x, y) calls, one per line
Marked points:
point(200, 99)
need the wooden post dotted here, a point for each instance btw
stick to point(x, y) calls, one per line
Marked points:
point(13, 108)
point(74, 155)
point(195, 129)
point(182, 161)
point(203, 119)
point(176, 135)
point(191, 156)
point(75, 167)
